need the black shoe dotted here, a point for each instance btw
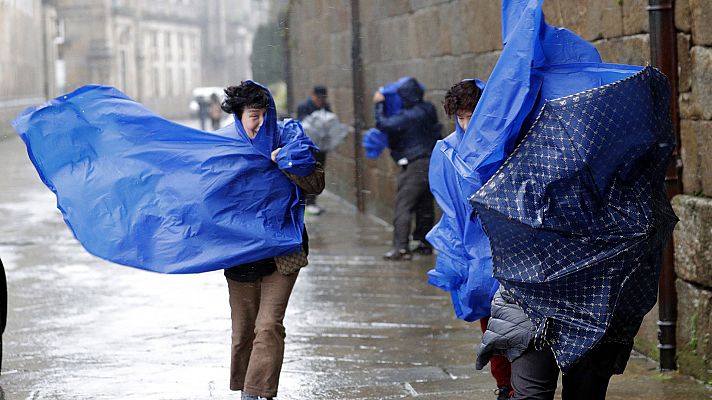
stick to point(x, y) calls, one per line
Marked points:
point(504, 392)
point(397, 255)
point(423, 248)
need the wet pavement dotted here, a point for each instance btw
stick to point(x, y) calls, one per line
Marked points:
point(358, 327)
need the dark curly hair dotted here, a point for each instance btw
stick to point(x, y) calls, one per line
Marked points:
point(461, 96)
point(246, 95)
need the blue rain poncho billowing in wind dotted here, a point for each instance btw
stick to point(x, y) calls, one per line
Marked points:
point(375, 141)
point(142, 191)
point(462, 163)
point(577, 216)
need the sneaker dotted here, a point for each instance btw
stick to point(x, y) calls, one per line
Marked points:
point(423, 248)
point(504, 392)
point(313, 209)
point(397, 255)
point(248, 396)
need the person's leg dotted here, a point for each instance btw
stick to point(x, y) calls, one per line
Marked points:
point(535, 375)
point(268, 347)
point(244, 304)
point(408, 191)
point(500, 367)
point(589, 378)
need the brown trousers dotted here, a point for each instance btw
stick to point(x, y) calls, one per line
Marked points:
point(257, 311)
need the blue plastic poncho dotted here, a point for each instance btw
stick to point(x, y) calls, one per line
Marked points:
point(463, 263)
point(375, 141)
point(460, 166)
point(142, 191)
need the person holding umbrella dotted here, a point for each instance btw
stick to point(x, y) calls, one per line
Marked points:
point(317, 101)
point(577, 215)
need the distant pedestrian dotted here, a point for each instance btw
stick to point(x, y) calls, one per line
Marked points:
point(316, 101)
point(203, 111)
point(412, 133)
point(260, 290)
point(215, 112)
point(460, 102)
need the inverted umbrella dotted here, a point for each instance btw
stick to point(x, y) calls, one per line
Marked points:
point(324, 129)
point(577, 216)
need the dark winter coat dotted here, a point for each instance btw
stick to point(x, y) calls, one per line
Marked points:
point(307, 107)
point(509, 330)
point(413, 131)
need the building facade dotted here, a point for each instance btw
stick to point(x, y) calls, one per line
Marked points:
point(28, 51)
point(156, 51)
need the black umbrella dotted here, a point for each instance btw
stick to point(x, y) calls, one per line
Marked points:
point(578, 217)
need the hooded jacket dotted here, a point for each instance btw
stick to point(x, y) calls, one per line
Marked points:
point(413, 131)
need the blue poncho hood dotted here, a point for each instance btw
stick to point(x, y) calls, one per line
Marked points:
point(142, 191)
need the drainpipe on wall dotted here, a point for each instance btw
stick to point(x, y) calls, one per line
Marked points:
point(358, 100)
point(663, 54)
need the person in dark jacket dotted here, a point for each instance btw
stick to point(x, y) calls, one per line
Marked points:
point(412, 133)
point(317, 101)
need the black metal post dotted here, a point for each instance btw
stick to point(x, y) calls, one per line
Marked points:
point(358, 101)
point(287, 55)
point(663, 53)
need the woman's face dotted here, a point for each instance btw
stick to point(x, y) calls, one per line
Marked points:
point(463, 118)
point(252, 119)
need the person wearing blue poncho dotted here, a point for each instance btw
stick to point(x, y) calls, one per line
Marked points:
point(563, 166)
point(455, 235)
point(259, 290)
point(142, 191)
point(412, 133)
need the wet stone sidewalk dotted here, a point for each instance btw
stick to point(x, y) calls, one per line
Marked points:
point(357, 327)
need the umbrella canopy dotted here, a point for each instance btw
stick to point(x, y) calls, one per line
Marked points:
point(577, 216)
point(324, 129)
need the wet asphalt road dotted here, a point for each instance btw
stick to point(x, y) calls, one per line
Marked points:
point(358, 328)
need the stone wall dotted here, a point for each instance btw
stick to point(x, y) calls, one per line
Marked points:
point(693, 235)
point(437, 41)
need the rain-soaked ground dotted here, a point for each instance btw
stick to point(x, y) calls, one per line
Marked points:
point(358, 327)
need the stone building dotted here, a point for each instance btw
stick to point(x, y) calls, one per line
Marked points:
point(156, 51)
point(28, 50)
point(443, 41)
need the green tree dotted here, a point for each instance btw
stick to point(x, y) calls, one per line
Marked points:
point(268, 54)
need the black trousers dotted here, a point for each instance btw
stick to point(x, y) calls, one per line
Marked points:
point(413, 197)
point(320, 157)
point(535, 374)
